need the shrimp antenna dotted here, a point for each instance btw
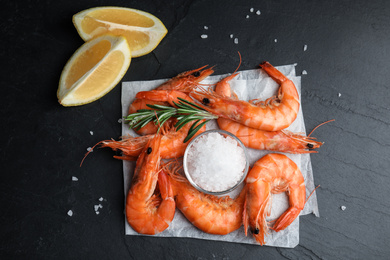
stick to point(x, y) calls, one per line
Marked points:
point(91, 150)
point(239, 64)
point(320, 125)
point(312, 193)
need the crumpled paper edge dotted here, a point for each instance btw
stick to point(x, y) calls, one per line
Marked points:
point(285, 238)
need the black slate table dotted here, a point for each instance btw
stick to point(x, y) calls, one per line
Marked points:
point(42, 143)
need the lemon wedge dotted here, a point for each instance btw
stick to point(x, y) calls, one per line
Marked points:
point(142, 30)
point(93, 70)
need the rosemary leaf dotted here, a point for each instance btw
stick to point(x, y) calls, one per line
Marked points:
point(162, 118)
point(183, 121)
point(138, 125)
point(185, 113)
point(193, 126)
point(160, 107)
point(194, 130)
point(141, 124)
point(192, 104)
point(142, 111)
point(182, 106)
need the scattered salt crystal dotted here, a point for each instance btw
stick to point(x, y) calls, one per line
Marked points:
point(343, 207)
point(97, 207)
point(304, 47)
point(231, 36)
point(339, 94)
point(89, 149)
point(247, 16)
point(216, 169)
point(258, 12)
point(304, 72)
point(70, 213)
point(236, 40)
point(91, 132)
point(206, 27)
point(203, 36)
point(120, 120)
point(74, 178)
point(276, 40)
point(251, 10)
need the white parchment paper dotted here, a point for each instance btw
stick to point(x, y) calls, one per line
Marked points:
point(248, 84)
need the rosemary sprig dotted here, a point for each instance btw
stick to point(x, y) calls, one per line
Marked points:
point(185, 112)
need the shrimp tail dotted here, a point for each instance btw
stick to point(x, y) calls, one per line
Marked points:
point(168, 202)
point(273, 72)
point(164, 185)
point(296, 206)
point(286, 219)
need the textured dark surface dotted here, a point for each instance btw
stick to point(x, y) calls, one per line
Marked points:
point(42, 143)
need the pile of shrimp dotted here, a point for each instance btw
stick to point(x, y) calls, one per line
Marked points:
point(158, 188)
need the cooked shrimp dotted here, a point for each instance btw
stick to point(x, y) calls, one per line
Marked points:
point(146, 213)
point(273, 173)
point(282, 141)
point(186, 81)
point(211, 214)
point(276, 113)
point(172, 143)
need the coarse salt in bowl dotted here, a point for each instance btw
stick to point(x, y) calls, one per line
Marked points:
point(215, 162)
